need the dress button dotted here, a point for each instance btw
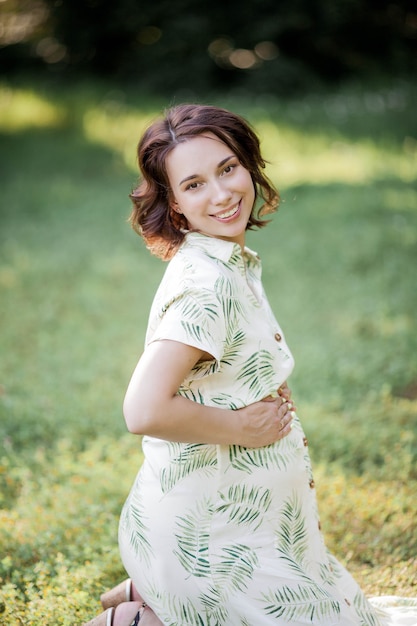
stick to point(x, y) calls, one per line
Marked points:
point(311, 483)
point(277, 337)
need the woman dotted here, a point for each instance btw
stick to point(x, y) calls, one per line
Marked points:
point(221, 525)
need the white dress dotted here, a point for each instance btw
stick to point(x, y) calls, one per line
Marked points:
point(217, 535)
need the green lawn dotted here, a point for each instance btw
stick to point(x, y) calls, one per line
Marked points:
point(76, 285)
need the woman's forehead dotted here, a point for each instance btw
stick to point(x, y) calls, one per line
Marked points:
point(197, 153)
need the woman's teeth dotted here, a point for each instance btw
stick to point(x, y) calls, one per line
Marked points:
point(228, 213)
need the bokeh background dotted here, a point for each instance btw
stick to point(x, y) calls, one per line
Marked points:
point(330, 86)
point(195, 46)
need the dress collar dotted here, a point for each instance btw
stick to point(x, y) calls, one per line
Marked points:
point(220, 248)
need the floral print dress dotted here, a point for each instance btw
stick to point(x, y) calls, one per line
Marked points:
point(216, 535)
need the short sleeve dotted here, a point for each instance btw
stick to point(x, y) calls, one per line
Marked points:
point(194, 317)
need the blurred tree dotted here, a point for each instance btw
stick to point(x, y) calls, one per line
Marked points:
point(267, 45)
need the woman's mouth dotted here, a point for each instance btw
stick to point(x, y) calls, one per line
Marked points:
point(229, 214)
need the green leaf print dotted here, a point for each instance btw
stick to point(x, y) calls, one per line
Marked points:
point(232, 303)
point(273, 456)
point(132, 518)
point(211, 599)
point(366, 613)
point(223, 287)
point(193, 539)
point(193, 331)
point(204, 368)
point(173, 610)
point(245, 505)
point(236, 257)
point(234, 343)
point(235, 569)
point(292, 533)
point(331, 571)
point(214, 607)
point(198, 308)
point(292, 542)
point(187, 392)
point(308, 603)
point(327, 575)
point(226, 400)
point(258, 372)
point(196, 312)
point(186, 459)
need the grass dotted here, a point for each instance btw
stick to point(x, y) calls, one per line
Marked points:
point(76, 286)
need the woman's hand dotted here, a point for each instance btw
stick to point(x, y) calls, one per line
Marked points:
point(265, 422)
point(285, 392)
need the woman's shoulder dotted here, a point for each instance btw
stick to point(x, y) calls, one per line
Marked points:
point(191, 270)
point(198, 254)
point(198, 267)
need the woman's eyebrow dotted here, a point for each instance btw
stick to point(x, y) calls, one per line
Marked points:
point(219, 165)
point(232, 156)
point(184, 180)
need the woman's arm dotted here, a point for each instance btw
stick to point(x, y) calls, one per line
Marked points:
point(152, 406)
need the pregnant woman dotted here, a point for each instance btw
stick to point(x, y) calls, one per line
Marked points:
point(221, 526)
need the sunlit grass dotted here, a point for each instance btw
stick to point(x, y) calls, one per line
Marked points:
point(23, 108)
point(73, 505)
point(119, 131)
point(294, 155)
point(399, 200)
point(297, 157)
point(297, 150)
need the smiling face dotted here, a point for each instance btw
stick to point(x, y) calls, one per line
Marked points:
point(210, 187)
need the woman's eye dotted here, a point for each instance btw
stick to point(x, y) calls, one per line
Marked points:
point(229, 168)
point(192, 186)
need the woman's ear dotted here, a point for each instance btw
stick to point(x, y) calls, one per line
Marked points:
point(173, 204)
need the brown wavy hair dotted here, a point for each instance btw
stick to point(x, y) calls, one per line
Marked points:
point(151, 217)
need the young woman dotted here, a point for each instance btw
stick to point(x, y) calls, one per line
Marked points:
point(221, 525)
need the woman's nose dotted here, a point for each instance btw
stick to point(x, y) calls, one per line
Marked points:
point(220, 194)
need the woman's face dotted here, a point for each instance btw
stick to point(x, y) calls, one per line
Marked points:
point(210, 187)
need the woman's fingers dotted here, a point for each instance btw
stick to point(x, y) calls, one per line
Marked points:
point(285, 392)
point(286, 415)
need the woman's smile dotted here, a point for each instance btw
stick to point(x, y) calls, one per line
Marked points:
point(229, 214)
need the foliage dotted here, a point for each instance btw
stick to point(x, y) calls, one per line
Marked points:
point(76, 285)
point(267, 46)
